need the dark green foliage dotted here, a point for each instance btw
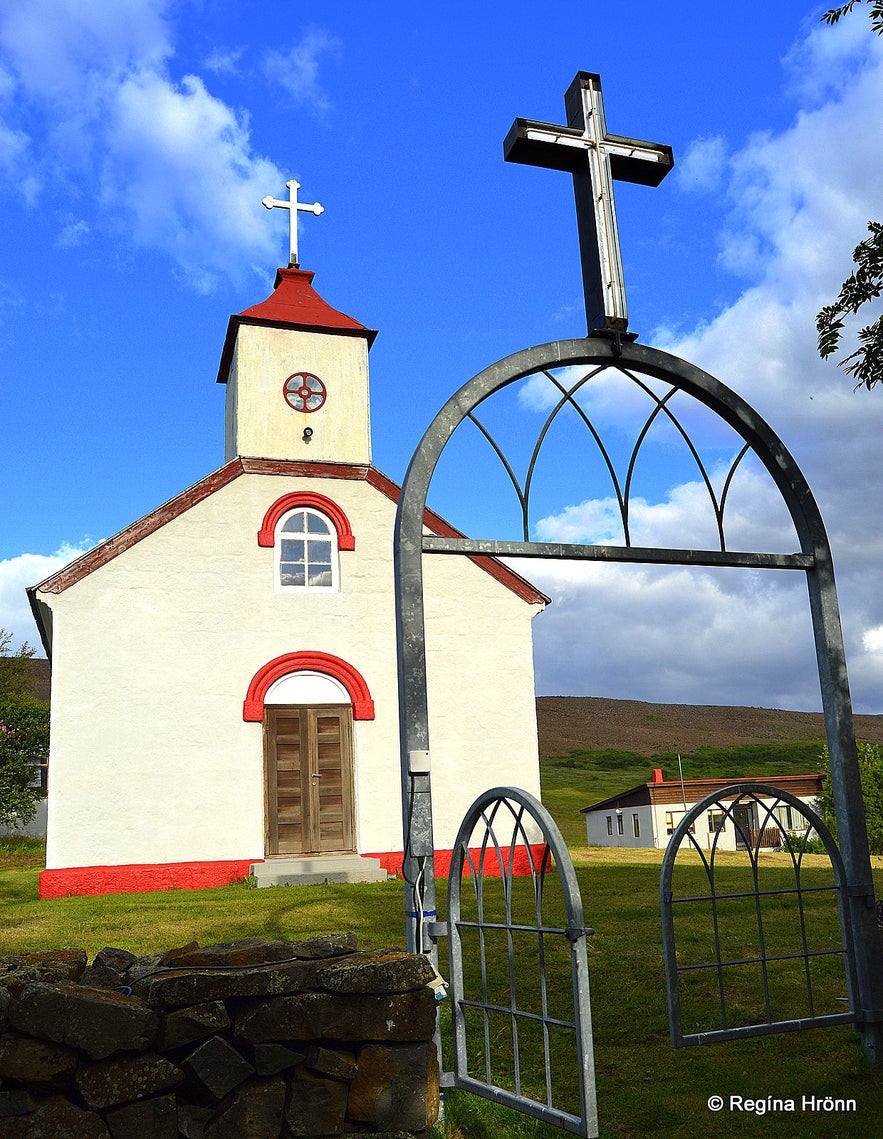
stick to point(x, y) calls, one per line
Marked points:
point(24, 736)
point(865, 364)
point(875, 12)
point(865, 284)
point(793, 758)
point(870, 766)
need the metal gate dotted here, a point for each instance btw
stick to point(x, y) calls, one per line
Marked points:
point(522, 1022)
point(770, 950)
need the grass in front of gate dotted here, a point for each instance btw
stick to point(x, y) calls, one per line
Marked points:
point(644, 1087)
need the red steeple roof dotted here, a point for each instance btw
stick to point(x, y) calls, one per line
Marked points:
point(294, 303)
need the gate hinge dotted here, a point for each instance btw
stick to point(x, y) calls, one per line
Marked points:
point(862, 890)
point(574, 933)
point(436, 929)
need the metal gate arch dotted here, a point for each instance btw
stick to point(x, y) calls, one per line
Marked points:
point(767, 798)
point(813, 558)
point(511, 805)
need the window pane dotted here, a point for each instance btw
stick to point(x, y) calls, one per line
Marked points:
point(320, 551)
point(292, 550)
point(294, 524)
point(320, 576)
point(317, 525)
point(292, 573)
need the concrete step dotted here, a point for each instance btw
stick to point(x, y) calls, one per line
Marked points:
point(316, 868)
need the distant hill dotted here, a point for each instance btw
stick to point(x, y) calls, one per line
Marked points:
point(592, 723)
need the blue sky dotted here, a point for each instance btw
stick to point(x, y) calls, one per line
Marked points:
point(136, 143)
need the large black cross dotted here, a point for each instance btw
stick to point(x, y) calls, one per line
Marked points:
point(594, 158)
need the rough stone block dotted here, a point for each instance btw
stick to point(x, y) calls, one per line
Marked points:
point(244, 951)
point(255, 1112)
point(112, 958)
point(328, 945)
point(358, 1016)
point(316, 1105)
point(108, 968)
point(5, 1002)
point(216, 1067)
point(56, 1118)
point(193, 1119)
point(43, 1067)
point(127, 1078)
point(397, 1086)
point(378, 971)
point(268, 1059)
point(332, 1062)
point(16, 973)
point(176, 990)
point(187, 1025)
point(95, 1020)
point(16, 1101)
point(147, 1119)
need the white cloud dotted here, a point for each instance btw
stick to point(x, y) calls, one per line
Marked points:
point(704, 165)
point(224, 62)
point(72, 234)
point(16, 575)
point(175, 164)
point(801, 198)
point(297, 69)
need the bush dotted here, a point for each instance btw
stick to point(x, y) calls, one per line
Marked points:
point(870, 766)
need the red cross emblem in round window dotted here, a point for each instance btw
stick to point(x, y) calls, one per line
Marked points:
point(304, 392)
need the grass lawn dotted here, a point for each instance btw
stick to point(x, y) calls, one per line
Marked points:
point(644, 1087)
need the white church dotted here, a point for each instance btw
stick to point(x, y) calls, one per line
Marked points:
point(224, 692)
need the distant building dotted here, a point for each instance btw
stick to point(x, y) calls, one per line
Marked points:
point(647, 815)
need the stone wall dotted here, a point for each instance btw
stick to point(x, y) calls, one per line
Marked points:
point(248, 1039)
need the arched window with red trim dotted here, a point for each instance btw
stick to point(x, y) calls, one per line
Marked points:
point(306, 551)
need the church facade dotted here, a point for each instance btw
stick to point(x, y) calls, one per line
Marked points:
point(224, 690)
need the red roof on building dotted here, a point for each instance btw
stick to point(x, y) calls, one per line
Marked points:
point(294, 303)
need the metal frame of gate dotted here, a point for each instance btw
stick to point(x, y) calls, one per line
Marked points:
point(497, 855)
point(594, 354)
point(767, 798)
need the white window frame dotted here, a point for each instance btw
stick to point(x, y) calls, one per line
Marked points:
point(331, 537)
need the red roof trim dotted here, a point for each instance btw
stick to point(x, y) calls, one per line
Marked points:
point(268, 674)
point(106, 551)
point(294, 303)
point(267, 532)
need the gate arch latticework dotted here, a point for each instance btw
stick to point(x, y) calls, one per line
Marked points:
point(780, 955)
point(518, 965)
point(571, 367)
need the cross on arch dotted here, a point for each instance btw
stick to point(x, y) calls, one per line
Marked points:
point(594, 157)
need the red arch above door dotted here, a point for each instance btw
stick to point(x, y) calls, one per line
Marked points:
point(268, 674)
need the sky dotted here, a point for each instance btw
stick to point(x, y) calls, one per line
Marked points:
point(138, 139)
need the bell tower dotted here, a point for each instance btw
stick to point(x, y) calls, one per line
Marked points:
point(296, 370)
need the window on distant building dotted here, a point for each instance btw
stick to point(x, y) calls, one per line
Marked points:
point(619, 824)
point(672, 818)
point(716, 822)
point(636, 825)
point(306, 551)
point(783, 817)
point(610, 824)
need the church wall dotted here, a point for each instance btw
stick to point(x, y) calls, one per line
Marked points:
point(151, 759)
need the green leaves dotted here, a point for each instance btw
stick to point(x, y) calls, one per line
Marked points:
point(833, 15)
point(865, 284)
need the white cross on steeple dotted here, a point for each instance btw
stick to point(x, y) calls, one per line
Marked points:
point(594, 158)
point(292, 205)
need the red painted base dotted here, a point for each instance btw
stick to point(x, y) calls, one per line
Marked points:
point(392, 862)
point(141, 878)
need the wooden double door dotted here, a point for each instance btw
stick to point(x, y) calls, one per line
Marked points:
point(309, 779)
